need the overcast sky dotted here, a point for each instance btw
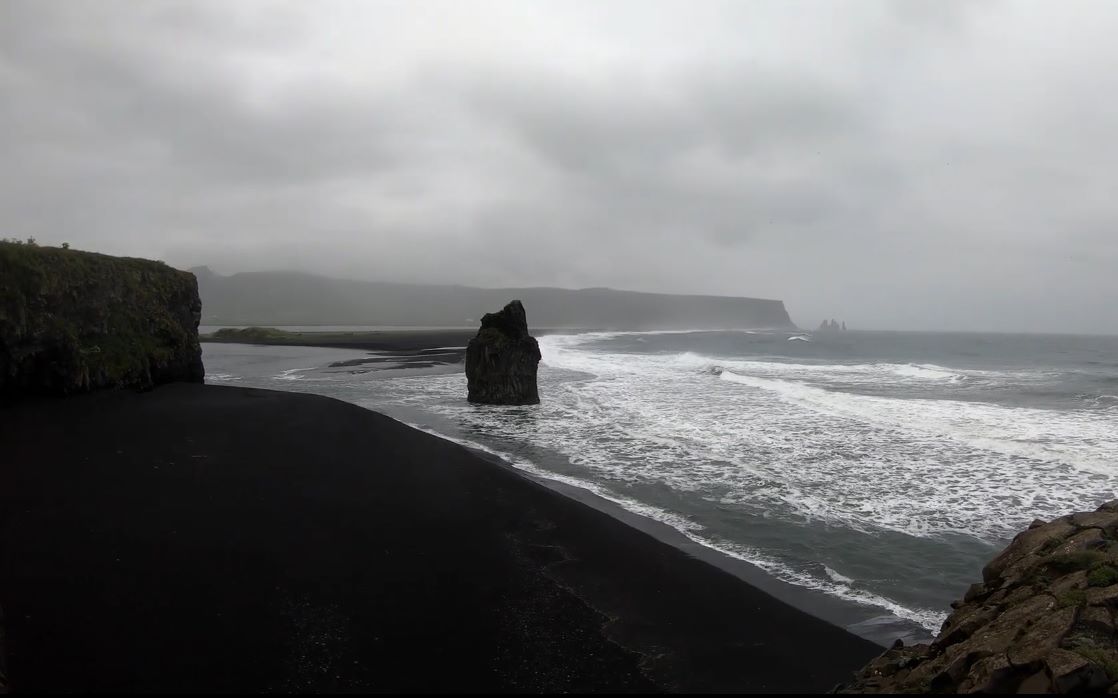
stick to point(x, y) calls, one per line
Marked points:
point(908, 164)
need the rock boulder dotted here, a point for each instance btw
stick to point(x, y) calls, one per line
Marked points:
point(501, 361)
point(1041, 620)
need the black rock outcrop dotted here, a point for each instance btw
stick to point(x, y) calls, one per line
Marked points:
point(75, 321)
point(501, 361)
point(1040, 621)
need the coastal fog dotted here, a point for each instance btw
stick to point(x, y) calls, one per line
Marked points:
point(913, 165)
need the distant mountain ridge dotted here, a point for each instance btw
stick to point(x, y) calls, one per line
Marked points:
point(295, 298)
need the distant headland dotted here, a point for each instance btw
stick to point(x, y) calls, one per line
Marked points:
point(291, 298)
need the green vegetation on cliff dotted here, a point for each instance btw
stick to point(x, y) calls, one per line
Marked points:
point(253, 335)
point(74, 321)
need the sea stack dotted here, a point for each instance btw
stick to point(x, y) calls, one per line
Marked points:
point(501, 360)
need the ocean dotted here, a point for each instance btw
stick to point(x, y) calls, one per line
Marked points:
point(880, 470)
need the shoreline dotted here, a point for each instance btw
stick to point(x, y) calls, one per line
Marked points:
point(419, 339)
point(416, 348)
point(660, 617)
point(411, 350)
point(871, 618)
point(826, 607)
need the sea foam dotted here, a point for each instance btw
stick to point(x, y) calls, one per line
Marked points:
point(835, 585)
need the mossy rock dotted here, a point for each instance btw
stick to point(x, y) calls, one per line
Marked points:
point(1102, 576)
point(1071, 562)
point(1073, 597)
point(1041, 620)
point(74, 321)
point(250, 335)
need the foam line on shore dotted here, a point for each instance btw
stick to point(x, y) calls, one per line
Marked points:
point(837, 586)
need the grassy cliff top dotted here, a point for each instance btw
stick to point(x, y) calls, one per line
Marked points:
point(72, 321)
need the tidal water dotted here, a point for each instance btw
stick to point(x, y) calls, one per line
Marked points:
point(879, 469)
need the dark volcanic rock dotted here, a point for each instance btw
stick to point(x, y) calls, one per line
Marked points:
point(501, 360)
point(75, 321)
point(1041, 620)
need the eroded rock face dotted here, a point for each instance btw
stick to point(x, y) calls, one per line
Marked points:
point(1041, 620)
point(75, 321)
point(501, 361)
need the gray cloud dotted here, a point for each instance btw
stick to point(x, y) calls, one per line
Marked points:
point(910, 165)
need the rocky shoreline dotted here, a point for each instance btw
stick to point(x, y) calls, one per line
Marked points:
point(1041, 621)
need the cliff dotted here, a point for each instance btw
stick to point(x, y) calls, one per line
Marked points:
point(287, 298)
point(1041, 621)
point(75, 321)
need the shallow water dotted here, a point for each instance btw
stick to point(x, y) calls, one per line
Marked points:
point(883, 469)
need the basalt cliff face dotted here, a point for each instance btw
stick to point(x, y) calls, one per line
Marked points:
point(75, 321)
point(1041, 621)
point(501, 361)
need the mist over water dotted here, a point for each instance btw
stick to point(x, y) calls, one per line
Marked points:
point(880, 468)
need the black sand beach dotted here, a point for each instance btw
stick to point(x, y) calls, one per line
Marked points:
point(400, 341)
point(389, 349)
point(215, 539)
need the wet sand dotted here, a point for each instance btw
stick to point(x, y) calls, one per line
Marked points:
point(407, 350)
point(401, 341)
